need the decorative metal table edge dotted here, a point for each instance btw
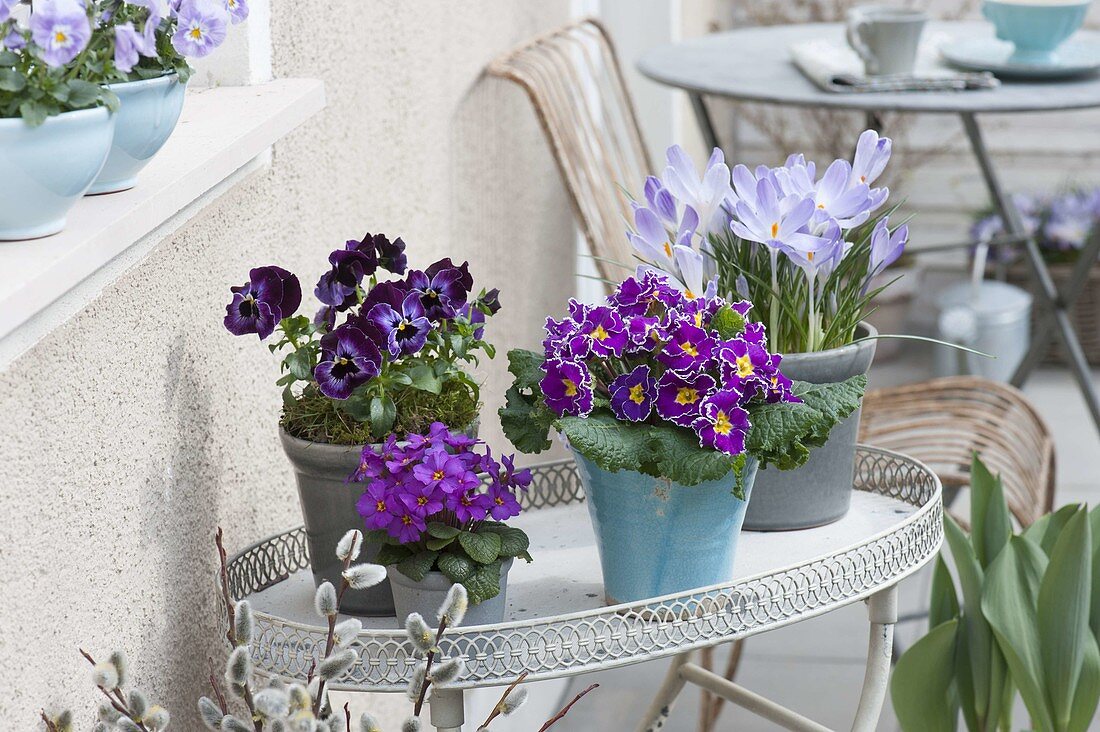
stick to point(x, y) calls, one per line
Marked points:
point(603, 638)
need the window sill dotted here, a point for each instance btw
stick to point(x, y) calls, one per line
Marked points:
point(223, 136)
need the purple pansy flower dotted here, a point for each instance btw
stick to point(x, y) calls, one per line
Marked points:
point(270, 295)
point(441, 294)
point(405, 331)
point(349, 359)
point(567, 387)
point(14, 41)
point(201, 27)
point(467, 280)
point(679, 397)
point(5, 9)
point(237, 9)
point(127, 41)
point(339, 286)
point(689, 348)
point(61, 29)
point(632, 395)
point(391, 254)
point(440, 470)
point(722, 423)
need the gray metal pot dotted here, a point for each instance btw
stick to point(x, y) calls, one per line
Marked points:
point(328, 510)
point(820, 491)
point(426, 597)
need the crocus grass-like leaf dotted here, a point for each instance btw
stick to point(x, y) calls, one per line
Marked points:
point(944, 604)
point(978, 635)
point(1094, 604)
point(483, 547)
point(1063, 615)
point(1087, 695)
point(991, 525)
point(1009, 601)
point(921, 685)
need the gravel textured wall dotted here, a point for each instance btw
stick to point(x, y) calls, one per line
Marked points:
point(136, 428)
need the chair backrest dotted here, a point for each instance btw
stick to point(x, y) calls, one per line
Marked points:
point(943, 421)
point(573, 78)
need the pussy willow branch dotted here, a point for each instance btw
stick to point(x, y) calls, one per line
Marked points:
point(330, 641)
point(496, 710)
point(231, 632)
point(50, 726)
point(565, 710)
point(115, 697)
point(347, 715)
point(428, 667)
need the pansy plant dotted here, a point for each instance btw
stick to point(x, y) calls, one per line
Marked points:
point(670, 383)
point(381, 355)
point(805, 249)
point(438, 501)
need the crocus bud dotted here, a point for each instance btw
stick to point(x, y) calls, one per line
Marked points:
point(348, 548)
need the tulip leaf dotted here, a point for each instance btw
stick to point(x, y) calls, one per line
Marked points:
point(1009, 602)
point(944, 604)
point(1087, 695)
point(991, 523)
point(1063, 615)
point(979, 637)
point(1046, 529)
point(921, 686)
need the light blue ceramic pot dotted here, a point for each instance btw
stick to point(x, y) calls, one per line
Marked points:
point(44, 170)
point(1035, 29)
point(656, 537)
point(148, 112)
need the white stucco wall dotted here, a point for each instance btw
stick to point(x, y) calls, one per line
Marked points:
point(132, 431)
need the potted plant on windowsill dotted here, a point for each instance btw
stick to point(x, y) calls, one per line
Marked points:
point(439, 524)
point(805, 251)
point(670, 399)
point(56, 120)
point(381, 360)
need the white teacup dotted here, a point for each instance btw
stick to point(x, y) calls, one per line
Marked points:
point(886, 38)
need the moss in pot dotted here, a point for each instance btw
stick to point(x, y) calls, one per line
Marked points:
point(382, 360)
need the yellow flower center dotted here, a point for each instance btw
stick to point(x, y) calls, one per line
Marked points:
point(810, 256)
point(421, 501)
point(775, 229)
point(195, 33)
point(637, 394)
point(668, 250)
point(343, 361)
point(690, 349)
point(744, 366)
point(600, 333)
point(60, 37)
point(380, 506)
point(689, 294)
point(499, 501)
point(570, 387)
point(722, 424)
point(407, 520)
point(401, 325)
point(437, 475)
point(687, 395)
point(699, 319)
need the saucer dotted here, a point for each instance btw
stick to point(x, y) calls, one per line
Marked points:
point(1076, 57)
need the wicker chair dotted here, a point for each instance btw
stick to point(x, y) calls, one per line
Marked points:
point(575, 83)
point(944, 421)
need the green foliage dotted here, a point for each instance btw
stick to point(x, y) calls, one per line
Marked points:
point(472, 558)
point(782, 434)
point(1024, 624)
point(34, 91)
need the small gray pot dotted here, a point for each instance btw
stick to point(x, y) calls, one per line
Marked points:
point(819, 492)
point(328, 510)
point(426, 597)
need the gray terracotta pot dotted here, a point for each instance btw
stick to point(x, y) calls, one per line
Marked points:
point(426, 597)
point(819, 492)
point(328, 510)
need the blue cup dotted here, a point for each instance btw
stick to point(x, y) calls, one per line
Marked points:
point(1035, 29)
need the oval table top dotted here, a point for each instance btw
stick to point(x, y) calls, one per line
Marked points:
point(556, 623)
point(754, 64)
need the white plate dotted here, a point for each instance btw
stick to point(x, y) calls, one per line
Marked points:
point(1075, 57)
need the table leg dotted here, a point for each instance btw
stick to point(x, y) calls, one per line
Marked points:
point(448, 711)
point(1049, 300)
point(657, 714)
point(703, 119)
point(882, 611)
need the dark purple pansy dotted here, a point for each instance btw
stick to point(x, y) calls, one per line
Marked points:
point(679, 397)
point(350, 265)
point(489, 301)
point(567, 387)
point(722, 423)
point(632, 395)
point(688, 348)
point(391, 254)
point(348, 360)
point(441, 294)
point(405, 330)
point(270, 295)
point(601, 333)
point(391, 293)
point(466, 280)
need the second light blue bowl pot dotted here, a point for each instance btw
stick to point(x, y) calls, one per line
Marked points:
point(656, 537)
point(44, 170)
point(1035, 29)
point(148, 112)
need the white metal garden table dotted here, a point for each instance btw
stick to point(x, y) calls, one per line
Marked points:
point(557, 624)
point(754, 64)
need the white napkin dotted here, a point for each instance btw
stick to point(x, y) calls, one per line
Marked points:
point(835, 67)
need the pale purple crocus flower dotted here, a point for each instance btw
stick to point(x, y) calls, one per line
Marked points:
point(766, 221)
point(660, 200)
point(127, 41)
point(835, 197)
point(61, 29)
point(872, 154)
point(886, 246)
point(238, 10)
point(692, 273)
point(201, 27)
point(709, 195)
point(653, 240)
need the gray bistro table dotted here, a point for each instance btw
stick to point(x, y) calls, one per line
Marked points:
point(754, 65)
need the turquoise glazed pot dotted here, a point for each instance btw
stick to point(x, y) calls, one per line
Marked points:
point(44, 170)
point(1036, 29)
point(148, 112)
point(656, 537)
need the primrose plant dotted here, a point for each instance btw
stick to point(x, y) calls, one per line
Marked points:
point(803, 249)
point(55, 55)
point(381, 356)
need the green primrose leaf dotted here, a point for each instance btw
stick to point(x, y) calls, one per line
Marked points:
point(417, 566)
point(482, 547)
point(513, 541)
point(526, 421)
point(455, 567)
point(441, 530)
point(526, 366)
point(484, 583)
point(392, 554)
